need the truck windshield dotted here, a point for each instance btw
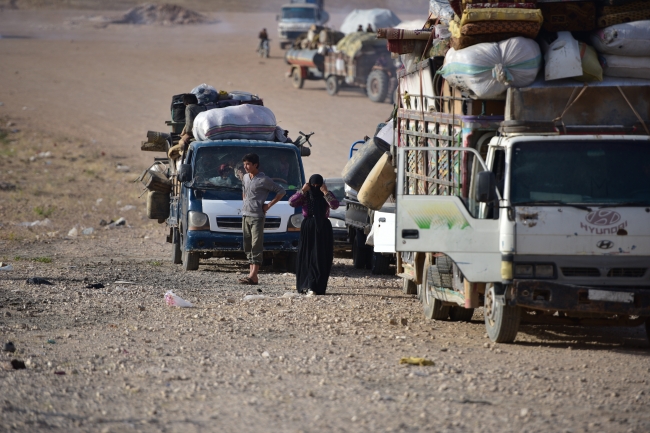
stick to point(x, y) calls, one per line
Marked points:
point(298, 13)
point(222, 167)
point(607, 172)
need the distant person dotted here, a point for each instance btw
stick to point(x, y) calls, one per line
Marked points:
point(192, 109)
point(360, 28)
point(264, 37)
point(256, 187)
point(369, 28)
point(316, 248)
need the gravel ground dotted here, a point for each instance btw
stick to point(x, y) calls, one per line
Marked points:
point(119, 359)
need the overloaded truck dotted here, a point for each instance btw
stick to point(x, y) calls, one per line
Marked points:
point(358, 60)
point(536, 207)
point(199, 194)
point(297, 17)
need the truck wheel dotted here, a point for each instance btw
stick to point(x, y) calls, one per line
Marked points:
point(460, 314)
point(177, 254)
point(409, 287)
point(291, 263)
point(377, 86)
point(359, 253)
point(332, 85)
point(296, 79)
point(433, 307)
point(190, 261)
point(440, 279)
point(380, 264)
point(501, 320)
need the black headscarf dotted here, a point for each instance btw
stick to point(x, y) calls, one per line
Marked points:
point(317, 206)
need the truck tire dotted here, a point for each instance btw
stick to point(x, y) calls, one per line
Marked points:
point(380, 264)
point(433, 308)
point(296, 78)
point(291, 263)
point(190, 261)
point(460, 314)
point(409, 287)
point(377, 86)
point(501, 320)
point(177, 254)
point(440, 279)
point(359, 252)
point(445, 264)
point(332, 85)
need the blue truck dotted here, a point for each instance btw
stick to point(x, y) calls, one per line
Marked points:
point(199, 197)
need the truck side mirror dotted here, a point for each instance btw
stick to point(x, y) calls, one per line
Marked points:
point(184, 173)
point(486, 187)
point(305, 151)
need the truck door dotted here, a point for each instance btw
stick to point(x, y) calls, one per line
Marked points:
point(443, 224)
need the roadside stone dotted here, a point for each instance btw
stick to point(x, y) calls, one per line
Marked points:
point(9, 347)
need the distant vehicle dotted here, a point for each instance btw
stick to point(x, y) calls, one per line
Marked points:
point(297, 17)
point(337, 216)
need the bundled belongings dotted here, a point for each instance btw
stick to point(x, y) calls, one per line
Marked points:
point(353, 43)
point(488, 24)
point(442, 10)
point(487, 70)
point(629, 39)
point(402, 41)
point(243, 121)
point(459, 6)
point(573, 16)
point(625, 49)
point(375, 17)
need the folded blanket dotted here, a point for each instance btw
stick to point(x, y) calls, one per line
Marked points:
point(392, 33)
point(468, 41)
point(630, 7)
point(624, 17)
point(501, 14)
point(527, 29)
point(401, 46)
point(569, 16)
point(529, 5)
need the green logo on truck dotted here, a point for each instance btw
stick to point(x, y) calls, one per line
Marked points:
point(436, 216)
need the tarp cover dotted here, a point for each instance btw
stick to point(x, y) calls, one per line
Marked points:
point(352, 43)
point(375, 17)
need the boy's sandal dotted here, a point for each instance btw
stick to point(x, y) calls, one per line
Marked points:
point(248, 280)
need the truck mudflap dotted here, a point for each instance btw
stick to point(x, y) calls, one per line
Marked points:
point(206, 241)
point(546, 295)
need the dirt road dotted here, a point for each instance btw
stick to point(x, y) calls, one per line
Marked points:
point(117, 359)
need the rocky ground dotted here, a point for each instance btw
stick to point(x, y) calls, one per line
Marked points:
point(118, 358)
point(75, 101)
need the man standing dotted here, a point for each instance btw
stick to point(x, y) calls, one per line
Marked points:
point(256, 187)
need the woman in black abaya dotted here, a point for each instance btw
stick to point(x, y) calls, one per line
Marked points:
point(316, 250)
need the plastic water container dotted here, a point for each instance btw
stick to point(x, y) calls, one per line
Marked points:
point(379, 184)
point(363, 161)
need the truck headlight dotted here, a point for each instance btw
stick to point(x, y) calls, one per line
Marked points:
point(197, 221)
point(525, 271)
point(337, 223)
point(295, 221)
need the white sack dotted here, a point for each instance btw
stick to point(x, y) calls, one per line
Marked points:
point(562, 58)
point(246, 121)
point(442, 10)
point(627, 39)
point(377, 18)
point(626, 67)
point(488, 69)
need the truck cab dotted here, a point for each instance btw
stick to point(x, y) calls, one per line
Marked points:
point(206, 214)
point(296, 18)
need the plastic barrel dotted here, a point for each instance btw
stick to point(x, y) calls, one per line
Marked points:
point(379, 184)
point(363, 161)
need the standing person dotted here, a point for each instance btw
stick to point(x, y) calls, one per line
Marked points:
point(263, 36)
point(369, 28)
point(316, 250)
point(256, 187)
